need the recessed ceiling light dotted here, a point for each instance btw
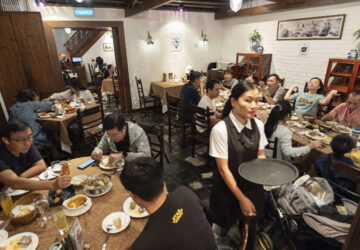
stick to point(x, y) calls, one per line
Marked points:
point(79, 1)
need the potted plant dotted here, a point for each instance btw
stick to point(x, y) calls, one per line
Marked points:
point(164, 77)
point(356, 34)
point(255, 39)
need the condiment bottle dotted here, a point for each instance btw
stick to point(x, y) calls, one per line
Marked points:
point(65, 170)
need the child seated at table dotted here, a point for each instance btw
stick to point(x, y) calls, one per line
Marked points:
point(340, 144)
point(308, 101)
point(275, 127)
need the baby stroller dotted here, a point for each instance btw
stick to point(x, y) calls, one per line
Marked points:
point(289, 217)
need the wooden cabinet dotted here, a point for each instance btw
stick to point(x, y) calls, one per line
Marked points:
point(252, 63)
point(343, 75)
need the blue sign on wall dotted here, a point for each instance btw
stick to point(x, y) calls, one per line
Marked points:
point(84, 12)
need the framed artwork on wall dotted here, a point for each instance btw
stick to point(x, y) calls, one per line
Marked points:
point(313, 28)
point(175, 42)
point(108, 47)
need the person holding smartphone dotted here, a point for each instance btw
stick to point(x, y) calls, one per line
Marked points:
point(273, 92)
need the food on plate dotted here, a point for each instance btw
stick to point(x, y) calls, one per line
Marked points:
point(327, 140)
point(312, 126)
point(56, 200)
point(44, 115)
point(132, 205)
point(135, 208)
point(22, 210)
point(117, 223)
point(355, 156)
point(76, 201)
point(344, 129)
point(19, 243)
point(106, 164)
point(69, 109)
point(78, 180)
point(58, 192)
point(97, 184)
point(315, 133)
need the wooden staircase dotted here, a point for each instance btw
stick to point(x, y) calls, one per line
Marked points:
point(82, 40)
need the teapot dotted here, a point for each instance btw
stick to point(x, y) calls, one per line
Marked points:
point(59, 109)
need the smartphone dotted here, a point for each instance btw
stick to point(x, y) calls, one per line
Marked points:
point(86, 164)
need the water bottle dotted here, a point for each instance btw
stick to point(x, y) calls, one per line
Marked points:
point(355, 135)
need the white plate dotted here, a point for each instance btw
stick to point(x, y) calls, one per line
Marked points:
point(125, 221)
point(41, 115)
point(51, 175)
point(294, 118)
point(78, 179)
point(97, 195)
point(318, 137)
point(16, 192)
point(31, 246)
point(105, 161)
point(3, 235)
point(81, 210)
point(133, 212)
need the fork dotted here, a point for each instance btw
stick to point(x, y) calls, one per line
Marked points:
point(108, 229)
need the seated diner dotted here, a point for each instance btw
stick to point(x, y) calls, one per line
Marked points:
point(20, 160)
point(229, 81)
point(273, 92)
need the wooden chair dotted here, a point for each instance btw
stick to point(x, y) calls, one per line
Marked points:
point(142, 98)
point(200, 128)
point(89, 121)
point(346, 171)
point(157, 147)
point(115, 95)
point(98, 98)
point(176, 117)
point(273, 145)
point(91, 71)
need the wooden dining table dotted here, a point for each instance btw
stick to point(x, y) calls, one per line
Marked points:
point(160, 89)
point(60, 125)
point(90, 221)
point(108, 85)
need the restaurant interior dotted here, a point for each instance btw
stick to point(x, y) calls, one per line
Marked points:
point(102, 87)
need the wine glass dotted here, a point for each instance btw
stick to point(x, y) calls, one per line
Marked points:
point(42, 206)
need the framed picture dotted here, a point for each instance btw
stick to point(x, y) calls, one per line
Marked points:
point(314, 28)
point(108, 47)
point(175, 41)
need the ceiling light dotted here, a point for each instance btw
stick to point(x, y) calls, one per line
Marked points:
point(67, 30)
point(79, 1)
point(181, 7)
point(235, 5)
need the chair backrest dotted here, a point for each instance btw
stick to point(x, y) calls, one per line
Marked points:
point(273, 145)
point(282, 82)
point(91, 73)
point(98, 98)
point(157, 147)
point(347, 172)
point(115, 84)
point(201, 121)
point(89, 120)
point(176, 109)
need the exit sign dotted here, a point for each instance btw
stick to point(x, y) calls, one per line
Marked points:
point(84, 12)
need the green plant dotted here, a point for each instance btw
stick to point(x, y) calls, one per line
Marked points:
point(356, 34)
point(255, 36)
point(164, 75)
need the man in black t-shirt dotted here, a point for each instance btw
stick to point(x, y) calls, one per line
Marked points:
point(176, 220)
point(20, 160)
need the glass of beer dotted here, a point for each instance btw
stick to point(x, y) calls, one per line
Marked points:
point(60, 220)
point(6, 203)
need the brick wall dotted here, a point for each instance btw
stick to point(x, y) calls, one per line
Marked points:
point(287, 61)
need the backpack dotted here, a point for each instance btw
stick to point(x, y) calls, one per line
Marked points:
point(308, 197)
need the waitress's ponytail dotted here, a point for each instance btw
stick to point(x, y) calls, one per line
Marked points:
point(236, 92)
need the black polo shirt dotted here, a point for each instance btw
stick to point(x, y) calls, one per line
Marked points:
point(17, 164)
point(191, 97)
point(179, 223)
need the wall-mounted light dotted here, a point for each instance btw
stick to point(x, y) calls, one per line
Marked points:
point(181, 7)
point(149, 39)
point(203, 37)
point(235, 5)
point(67, 30)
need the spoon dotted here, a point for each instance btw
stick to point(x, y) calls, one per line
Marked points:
point(108, 229)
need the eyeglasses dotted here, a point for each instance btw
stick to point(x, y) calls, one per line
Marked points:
point(23, 140)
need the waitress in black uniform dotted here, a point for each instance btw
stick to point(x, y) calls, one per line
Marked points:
point(238, 138)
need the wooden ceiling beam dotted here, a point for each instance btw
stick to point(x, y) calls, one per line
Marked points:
point(280, 6)
point(202, 2)
point(147, 5)
point(194, 6)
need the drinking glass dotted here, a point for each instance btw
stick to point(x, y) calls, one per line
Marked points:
point(120, 164)
point(42, 206)
point(60, 220)
point(7, 203)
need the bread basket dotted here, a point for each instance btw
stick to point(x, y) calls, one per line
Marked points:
point(29, 217)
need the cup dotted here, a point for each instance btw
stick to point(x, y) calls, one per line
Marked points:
point(7, 203)
point(60, 220)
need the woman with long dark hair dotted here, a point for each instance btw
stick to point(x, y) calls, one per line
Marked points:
point(238, 138)
point(275, 127)
point(308, 101)
point(76, 93)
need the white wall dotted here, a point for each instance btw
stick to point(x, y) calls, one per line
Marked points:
point(61, 38)
point(287, 61)
point(147, 62)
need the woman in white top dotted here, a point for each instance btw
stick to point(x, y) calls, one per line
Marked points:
point(76, 93)
point(275, 126)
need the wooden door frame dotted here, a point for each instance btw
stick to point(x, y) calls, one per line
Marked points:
point(119, 50)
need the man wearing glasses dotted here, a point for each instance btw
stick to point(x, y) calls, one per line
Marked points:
point(20, 160)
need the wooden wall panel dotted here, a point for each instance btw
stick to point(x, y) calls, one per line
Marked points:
point(34, 50)
point(12, 75)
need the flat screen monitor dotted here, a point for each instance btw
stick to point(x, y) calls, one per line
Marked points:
point(76, 59)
